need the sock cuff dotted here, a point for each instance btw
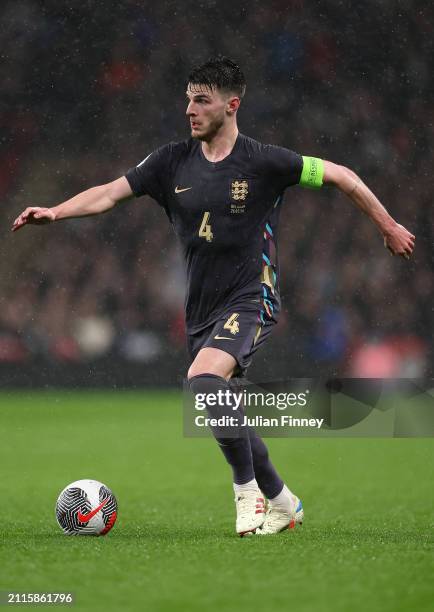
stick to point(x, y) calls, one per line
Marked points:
point(206, 375)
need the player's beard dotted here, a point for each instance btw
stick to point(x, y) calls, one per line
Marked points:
point(213, 128)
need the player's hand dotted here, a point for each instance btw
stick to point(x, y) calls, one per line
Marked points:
point(35, 215)
point(399, 241)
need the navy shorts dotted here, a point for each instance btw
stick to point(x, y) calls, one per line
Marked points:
point(238, 333)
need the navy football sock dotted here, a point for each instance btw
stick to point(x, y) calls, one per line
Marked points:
point(233, 440)
point(266, 476)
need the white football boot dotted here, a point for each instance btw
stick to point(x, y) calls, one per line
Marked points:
point(278, 518)
point(250, 506)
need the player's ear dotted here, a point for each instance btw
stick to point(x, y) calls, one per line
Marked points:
point(233, 104)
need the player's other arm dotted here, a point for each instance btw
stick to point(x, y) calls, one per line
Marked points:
point(93, 201)
point(397, 239)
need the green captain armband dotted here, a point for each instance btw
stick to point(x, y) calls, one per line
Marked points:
point(313, 172)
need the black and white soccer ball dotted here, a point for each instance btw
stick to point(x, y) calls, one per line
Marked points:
point(86, 507)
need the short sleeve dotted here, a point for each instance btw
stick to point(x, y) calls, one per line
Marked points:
point(284, 165)
point(147, 178)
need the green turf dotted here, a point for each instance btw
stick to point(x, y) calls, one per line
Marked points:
point(367, 541)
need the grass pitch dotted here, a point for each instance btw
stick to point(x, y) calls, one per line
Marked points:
point(366, 544)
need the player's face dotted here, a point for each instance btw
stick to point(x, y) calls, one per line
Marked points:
point(207, 110)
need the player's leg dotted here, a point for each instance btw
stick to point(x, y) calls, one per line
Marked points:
point(266, 474)
point(284, 507)
point(208, 375)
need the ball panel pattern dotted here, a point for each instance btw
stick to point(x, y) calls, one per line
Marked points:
point(109, 511)
point(70, 502)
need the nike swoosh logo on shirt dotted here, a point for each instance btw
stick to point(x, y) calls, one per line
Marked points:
point(85, 518)
point(180, 190)
point(223, 338)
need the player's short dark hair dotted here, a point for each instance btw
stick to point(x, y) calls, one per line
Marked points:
point(219, 73)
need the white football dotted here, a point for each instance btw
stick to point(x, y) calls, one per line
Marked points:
point(86, 507)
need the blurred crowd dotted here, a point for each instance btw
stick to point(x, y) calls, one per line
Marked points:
point(88, 90)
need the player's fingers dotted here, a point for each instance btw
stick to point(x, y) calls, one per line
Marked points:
point(19, 221)
point(17, 225)
point(406, 253)
point(31, 211)
point(23, 218)
point(26, 214)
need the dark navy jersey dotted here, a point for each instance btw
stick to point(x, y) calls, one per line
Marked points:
point(225, 215)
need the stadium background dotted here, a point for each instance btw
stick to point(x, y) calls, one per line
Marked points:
point(88, 92)
point(88, 89)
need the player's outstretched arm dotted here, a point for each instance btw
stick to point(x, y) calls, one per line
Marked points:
point(397, 239)
point(90, 202)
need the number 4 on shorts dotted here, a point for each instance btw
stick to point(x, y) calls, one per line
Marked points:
point(232, 324)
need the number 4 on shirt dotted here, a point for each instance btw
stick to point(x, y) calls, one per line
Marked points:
point(205, 228)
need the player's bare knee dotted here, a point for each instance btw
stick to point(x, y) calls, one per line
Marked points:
point(198, 369)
